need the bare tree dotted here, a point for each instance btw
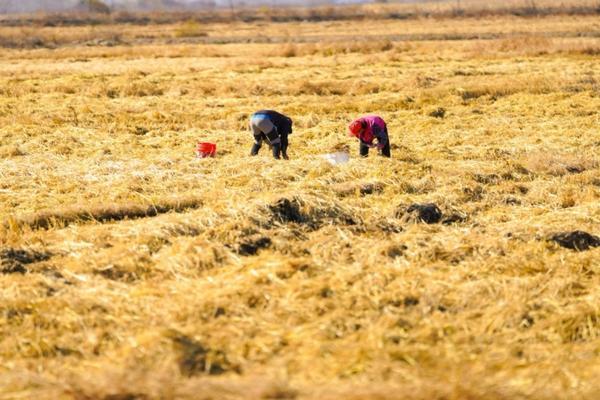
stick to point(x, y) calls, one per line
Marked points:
point(458, 8)
point(531, 7)
point(232, 7)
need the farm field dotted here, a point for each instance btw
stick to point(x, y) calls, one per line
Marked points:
point(129, 269)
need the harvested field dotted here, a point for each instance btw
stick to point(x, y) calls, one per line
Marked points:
point(466, 266)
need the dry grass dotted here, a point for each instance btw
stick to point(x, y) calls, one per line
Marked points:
point(131, 270)
point(190, 29)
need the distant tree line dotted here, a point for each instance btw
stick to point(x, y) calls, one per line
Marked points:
point(85, 12)
point(101, 6)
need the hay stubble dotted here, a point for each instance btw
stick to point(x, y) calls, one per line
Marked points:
point(129, 268)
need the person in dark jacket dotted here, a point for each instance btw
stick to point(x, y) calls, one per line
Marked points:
point(368, 128)
point(272, 127)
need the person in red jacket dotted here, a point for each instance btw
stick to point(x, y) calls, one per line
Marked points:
point(368, 128)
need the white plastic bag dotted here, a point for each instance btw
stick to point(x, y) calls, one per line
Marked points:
point(337, 158)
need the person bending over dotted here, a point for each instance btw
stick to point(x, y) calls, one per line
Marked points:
point(272, 127)
point(368, 128)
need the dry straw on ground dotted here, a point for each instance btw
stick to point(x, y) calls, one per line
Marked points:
point(131, 270)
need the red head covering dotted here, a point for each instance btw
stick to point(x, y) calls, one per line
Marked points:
point(360, 130)
point(356, 128)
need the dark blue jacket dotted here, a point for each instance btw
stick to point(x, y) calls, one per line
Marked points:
point(282, 122)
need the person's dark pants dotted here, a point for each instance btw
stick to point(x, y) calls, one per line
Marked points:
point(263, 129)
point(279, 148)
point(385, 152)
point(284, 145)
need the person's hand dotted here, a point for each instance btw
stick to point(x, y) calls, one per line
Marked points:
point(380, 146)
point(369, 145)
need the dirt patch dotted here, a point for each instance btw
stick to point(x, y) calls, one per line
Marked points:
point(574, 169)
point(126, 396)
point(428, 213)
point(576, 240)
point(326, 292)
point(511, 201)
point(252, 245)
point(14, 261)
point(287, 210)
point(454, 218)
point(473, 194)
point(487, 179)
point(196, 359)
point(370, 188)
point(439, 112)
point(280, 393)
point(410, 301)
point(116, 273)
point(395, 251)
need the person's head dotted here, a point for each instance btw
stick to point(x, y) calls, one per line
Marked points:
point(356, 128)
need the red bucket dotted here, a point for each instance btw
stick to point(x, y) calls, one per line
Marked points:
point(206, 150)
